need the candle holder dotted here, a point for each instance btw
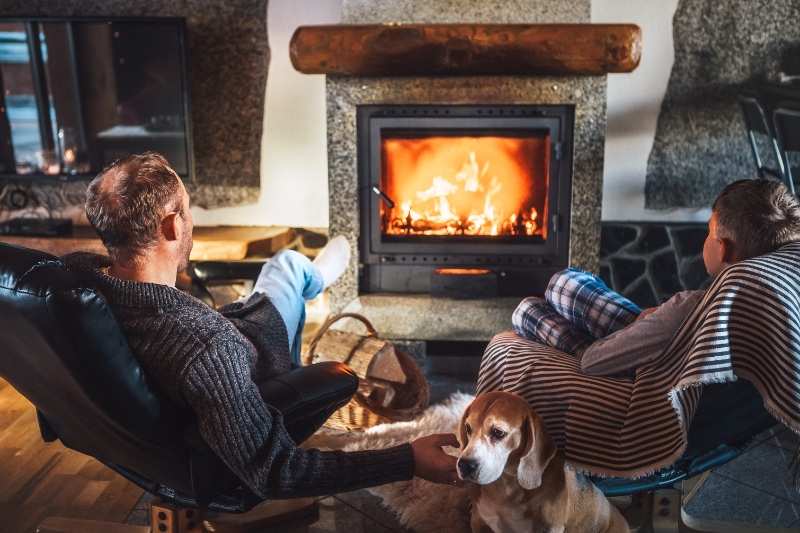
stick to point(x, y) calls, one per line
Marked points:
point(48, 162)
point(68, 145)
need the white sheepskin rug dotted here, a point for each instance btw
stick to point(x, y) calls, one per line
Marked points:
point(419, 505)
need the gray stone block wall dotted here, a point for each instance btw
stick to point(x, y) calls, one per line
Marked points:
point(465, 11)
point(721, 48)
point(649, 262)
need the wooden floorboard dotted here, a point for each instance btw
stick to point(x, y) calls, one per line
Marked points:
point(41, 479)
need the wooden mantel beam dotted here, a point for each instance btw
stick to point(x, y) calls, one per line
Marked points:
point(466, 49)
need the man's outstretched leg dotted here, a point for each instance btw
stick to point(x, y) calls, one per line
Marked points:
point(289, 278)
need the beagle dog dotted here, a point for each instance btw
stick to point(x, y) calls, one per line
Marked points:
point(520, 482)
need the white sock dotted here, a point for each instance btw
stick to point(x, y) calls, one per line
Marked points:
point(333, 259)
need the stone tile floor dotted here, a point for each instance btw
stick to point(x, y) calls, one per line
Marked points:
point(754, 488)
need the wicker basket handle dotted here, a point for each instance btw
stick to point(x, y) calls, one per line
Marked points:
point(312, 346)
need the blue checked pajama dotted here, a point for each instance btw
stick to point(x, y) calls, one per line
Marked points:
point(577, 309)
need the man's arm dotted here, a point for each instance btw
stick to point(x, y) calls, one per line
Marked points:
point(643, 314)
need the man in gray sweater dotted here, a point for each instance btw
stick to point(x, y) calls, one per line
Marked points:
point(214, 361)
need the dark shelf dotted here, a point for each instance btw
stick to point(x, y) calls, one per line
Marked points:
point(49, 178)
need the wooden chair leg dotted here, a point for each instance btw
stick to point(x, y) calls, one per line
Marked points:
point(169, 518)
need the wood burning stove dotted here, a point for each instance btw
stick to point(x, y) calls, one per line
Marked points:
point(464, 200)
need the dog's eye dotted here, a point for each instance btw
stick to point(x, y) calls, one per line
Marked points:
point(469, 429)
point(498, 433)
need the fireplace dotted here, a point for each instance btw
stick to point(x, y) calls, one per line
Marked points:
point(428, 316)
point(464, 200)
point(453, 79)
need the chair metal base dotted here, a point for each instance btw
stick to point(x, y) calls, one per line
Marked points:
point(662, 511)
point(168, 518)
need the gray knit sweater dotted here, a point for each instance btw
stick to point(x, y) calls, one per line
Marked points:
point(211, 362)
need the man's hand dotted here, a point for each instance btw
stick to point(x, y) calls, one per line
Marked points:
point(431, 463)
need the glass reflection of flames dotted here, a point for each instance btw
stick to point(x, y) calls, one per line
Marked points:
point(464, 185)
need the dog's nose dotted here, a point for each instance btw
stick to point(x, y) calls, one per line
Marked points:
point(467, 466)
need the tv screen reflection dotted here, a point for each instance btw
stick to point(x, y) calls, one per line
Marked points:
point(82, 93)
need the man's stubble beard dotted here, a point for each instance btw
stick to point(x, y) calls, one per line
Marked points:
point(186, 249)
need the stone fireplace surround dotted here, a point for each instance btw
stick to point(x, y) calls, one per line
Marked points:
point(423, 317)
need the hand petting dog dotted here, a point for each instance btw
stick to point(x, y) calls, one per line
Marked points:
point(432, 463)
point(520, 479)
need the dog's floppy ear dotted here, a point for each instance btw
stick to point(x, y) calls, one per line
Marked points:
point(463, 438)
point(539, 450)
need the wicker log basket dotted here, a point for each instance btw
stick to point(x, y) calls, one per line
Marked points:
point(392, 387)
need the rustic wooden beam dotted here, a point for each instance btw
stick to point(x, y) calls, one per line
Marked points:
point(466, 49)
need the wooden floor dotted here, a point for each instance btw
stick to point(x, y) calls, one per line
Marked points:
point(39, 479)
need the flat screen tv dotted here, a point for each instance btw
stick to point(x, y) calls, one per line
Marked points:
point(79, 93)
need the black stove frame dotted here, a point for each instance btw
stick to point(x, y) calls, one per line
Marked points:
point(519, 265)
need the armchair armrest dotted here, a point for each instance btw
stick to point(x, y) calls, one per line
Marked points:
point(199, 274)
point(684, 468)
point(206, 271)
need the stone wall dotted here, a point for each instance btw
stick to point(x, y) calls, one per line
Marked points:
point(465, 11)
point(721, 48)
point(649, 262)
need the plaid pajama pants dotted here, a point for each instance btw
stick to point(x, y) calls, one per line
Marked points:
point(578, 308)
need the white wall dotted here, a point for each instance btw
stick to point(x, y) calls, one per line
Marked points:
point(294, 165)
point(294, 188)
point(634, 101)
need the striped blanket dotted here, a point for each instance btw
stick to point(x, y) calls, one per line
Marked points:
point(746, 326)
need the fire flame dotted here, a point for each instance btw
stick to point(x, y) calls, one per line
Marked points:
point(465, 185)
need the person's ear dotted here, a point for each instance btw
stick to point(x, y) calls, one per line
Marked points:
point(171, 226)
point(727, 251)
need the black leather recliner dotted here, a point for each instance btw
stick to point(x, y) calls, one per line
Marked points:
point(63, 350)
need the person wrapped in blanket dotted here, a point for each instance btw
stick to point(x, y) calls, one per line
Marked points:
point(612, 336)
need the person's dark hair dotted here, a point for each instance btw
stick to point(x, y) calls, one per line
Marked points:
point(126, 203)
point(758, 216)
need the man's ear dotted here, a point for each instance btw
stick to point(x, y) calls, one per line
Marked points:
point(172, 226)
